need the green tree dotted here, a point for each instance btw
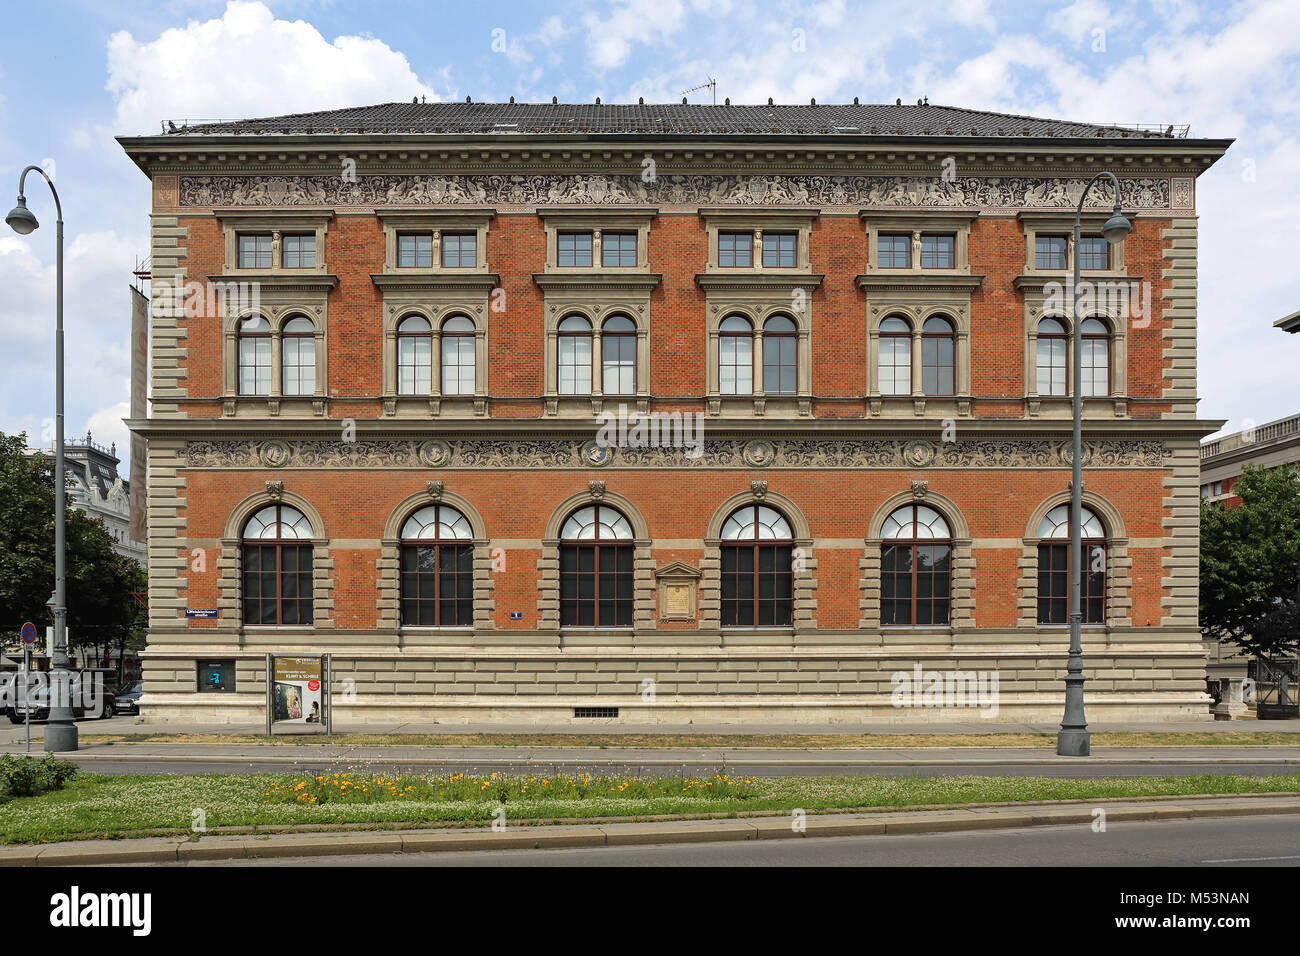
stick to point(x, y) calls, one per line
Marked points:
point(101, 609)
point(1250, 564)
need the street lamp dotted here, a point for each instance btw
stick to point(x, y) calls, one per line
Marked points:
point(60, 731)
point(1073, 739)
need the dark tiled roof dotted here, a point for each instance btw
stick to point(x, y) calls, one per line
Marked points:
point(677, 119)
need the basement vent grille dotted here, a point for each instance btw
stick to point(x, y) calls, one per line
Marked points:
point(595, 712)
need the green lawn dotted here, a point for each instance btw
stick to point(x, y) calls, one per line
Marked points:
point(97, 806)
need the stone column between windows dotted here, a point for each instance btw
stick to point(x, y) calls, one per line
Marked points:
point(228, 584)
point(597, 363)
point(757, 362)
point(435, 360)
point(322, 583)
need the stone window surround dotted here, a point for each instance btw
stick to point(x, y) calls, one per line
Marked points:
point(278, 222)
point(918, 305)
point(760, 219)
point(804, 590)
point(1060, 223)
point(757, 298)
point(388, 564)
point(435, 297)
point(473, 219)
point(644, 588)
point(279, 299)
point(962, 573)
point(1116, 402)
point(557, 219)
point(595, 296)
point(230, 561)
point(1119, 566)
point(917, 222)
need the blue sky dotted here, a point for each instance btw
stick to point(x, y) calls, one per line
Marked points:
point(85, 71)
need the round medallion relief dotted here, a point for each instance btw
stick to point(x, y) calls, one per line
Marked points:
point(435, 453)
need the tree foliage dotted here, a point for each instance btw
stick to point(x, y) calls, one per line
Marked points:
point(1250, 564)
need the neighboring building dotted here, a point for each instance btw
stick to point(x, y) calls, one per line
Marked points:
point(99, 491)
point(1289, 323)
point(393, 452)
point(1222, 459)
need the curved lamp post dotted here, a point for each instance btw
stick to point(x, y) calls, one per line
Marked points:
point(1073, 739)
point(61, 731)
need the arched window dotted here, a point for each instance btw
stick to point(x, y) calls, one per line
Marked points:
point(757, 569)
point(574, 356)
point(780, 343)
point(254, 356)
point(938, 348)
point(414, 356)
point(458, 356)
point(298, 356)
point(736, 356)
point(596, 552)
point(618, 356)
point(895, 364)
point(1053, 351)
point(1094, 337)
point(277, 575)
point(437, 568)
point(1055, 571)
point(915, 567)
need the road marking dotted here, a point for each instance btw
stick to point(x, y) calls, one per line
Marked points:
point(1252, 859)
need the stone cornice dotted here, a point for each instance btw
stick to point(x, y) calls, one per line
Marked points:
point(918, 281)
point(283, 281)
point(1037, 281)
point(946, 217)
point(436, 281)
point(597, 280)
point(752, 281)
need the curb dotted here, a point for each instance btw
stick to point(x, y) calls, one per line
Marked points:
point(325, 844)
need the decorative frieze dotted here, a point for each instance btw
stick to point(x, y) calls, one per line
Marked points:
point(493, 453)
point(795, 189)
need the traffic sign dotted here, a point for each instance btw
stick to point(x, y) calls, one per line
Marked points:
point(29, 633)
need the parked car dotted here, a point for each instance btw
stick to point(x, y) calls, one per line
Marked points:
point(37, 701)
point(128, 701)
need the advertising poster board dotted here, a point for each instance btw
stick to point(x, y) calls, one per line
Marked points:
point(297, 698)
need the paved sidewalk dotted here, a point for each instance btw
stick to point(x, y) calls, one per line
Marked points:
point(597, 834)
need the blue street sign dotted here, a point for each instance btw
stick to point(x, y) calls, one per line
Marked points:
point(29, 633)
point(201, 612)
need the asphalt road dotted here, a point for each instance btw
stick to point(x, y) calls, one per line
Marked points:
point(1231, 842)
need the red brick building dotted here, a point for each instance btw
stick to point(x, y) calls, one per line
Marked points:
point(723, 413)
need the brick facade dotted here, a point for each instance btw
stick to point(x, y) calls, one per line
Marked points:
point(835, 457)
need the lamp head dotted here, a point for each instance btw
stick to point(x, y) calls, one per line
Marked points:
point(1117, 227)
point(20, 218)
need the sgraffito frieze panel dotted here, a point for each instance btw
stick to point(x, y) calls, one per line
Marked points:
point(701, 189)
point(544, 454)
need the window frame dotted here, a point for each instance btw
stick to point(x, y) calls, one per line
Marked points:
point(913, 543)
point(462, 547)
point(619, 338)
point(573, 337)
point(417, 252)
point(269, 254)
point(298, 337)
point(782, 238)
point(400, 337)
point(620, 237)
point(297, 238)
point(277, 546)
point(241, 338)
point(460, 236)
point(747, 366)
point(784, 340)
point(755, 547)
point(457, 337)
point(949, 336)
point(1061, 339)
point(1093, 584)
point(621, 548)
point(893, 237)
point(573, 235)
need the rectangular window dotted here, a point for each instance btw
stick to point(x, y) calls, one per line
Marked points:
point(437, 585)
point(575, 364)
point(1054, 584)
point(938, 252)
point(1096, 366)
point(415, 250)
point(255, 365)
point(779, 250)
point(299, 361)
point(893, 251)
point(735, 250)
point(619, 376)
point(459, 250)
point(277, 584)
point(895, 365)
point(458, 364)
point(735, 365)
point(299, 251)
point(216, 677)
point(414, 364)
point(1094, 252)
point(255, 251)
point(937, 366)
point(1049, 252)
point(779, 371)
point(573, 249)
point(1051, 365)
point(618, 250)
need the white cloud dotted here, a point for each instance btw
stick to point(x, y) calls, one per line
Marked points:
point(247, 63)
point(106, 427)
point(610, 40)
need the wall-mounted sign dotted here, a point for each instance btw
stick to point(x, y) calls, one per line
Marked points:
point(297, 692)
point(516, 615)
point(201, 612)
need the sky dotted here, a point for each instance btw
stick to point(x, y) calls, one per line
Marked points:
point(87, 70)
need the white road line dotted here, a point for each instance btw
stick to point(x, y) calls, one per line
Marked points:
point(1252, 859)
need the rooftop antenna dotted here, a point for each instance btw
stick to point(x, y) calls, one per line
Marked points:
point(712, 85)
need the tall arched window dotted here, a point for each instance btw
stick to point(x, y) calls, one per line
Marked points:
point(780, 345)
point(574, 356)
point(757, 569)
point(1053, 352)
point(736, 356)
point(596, 569)
point(1055, 572)
point(277, 574)
point(1095, 341)
point(938, 351)
point(618, 356)
point(895, 365)
point(437, 568)
point(458, 356)
point(915, 567)
point(298, 356)
point(254, 356)
point(414, 356)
